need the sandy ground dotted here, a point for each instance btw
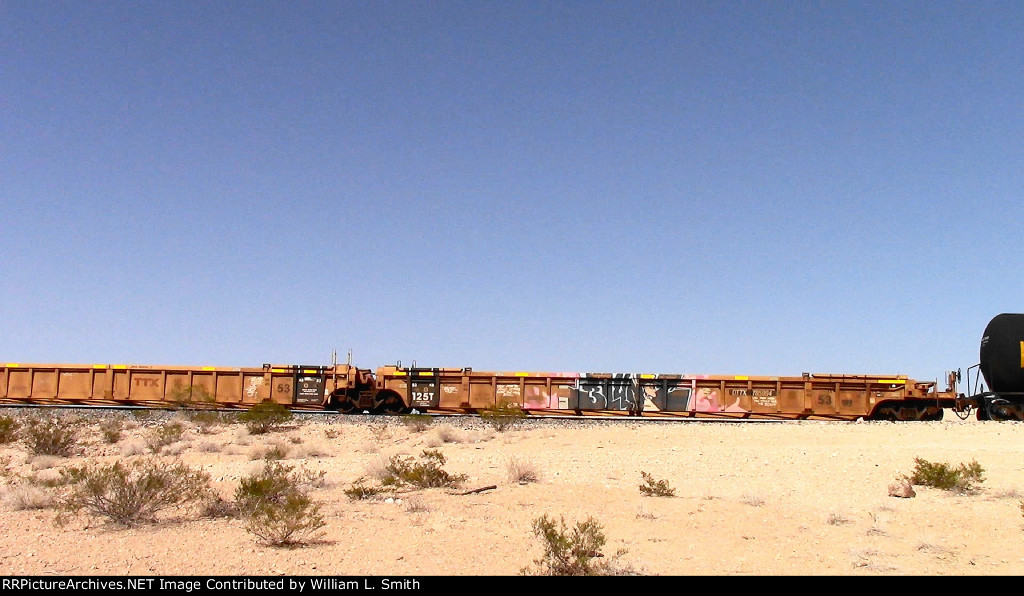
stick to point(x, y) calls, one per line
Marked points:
point(802, 498)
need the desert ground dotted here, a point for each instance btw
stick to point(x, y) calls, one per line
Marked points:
point(793, 498)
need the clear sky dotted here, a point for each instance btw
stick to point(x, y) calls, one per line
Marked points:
point(761, 188)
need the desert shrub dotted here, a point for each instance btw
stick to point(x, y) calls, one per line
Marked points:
point(427, 473)
point(192, 397)
point(25, 498)
point(205, 420)
point(164, 435)
point(272, 453)
point(216, 506)
point(360, 490)
point(142, 414)
point(133, 492)
point(277, 507)
point(265, 417)
point(940, 475)
point(8, 430)
point(503, 416)
point(111, 430)
point(417, 423)
point(523, 472)
point(48, 434)
point(655, 488)
point(572, 552)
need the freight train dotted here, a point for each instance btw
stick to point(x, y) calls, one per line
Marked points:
point(394, 389)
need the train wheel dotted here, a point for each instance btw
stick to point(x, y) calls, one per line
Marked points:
point(342, 403)
point(389, 402)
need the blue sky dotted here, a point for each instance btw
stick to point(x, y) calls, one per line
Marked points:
point(759, 188)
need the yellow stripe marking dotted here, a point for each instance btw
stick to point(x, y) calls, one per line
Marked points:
point(308, 372)
point(102, 366)
point(425, 373)
point(121, 366)
point(520, 374)
point(893, 381)
point(399, 373)
point(209, 368)
point(1022, 354)
point(742, 378)
point(646, 376)
point(277, 370)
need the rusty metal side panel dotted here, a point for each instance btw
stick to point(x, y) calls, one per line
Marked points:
point(792, 398)
point(228, 387)
point(711, 397)
point(120, 384)
point(537, 394)
point(256, 388)
point(148, 386)
point(508, 391)
point(19, 384)
point(282, 387)
point(852, 401)
point(44, 384)
point(452, 392)
point(75, 385)
point(482, 392)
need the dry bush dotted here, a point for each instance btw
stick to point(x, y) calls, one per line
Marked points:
point(165, 435)
point(271, 453)
point(277, 507)
point(939, 475)
point(308, 450)
point(111, 430)
point(26, 498)
point(133, 492)
point(415, 504)
point(49, 434)
point(449, 434)
point(417, 423)
point(752, 500)
point(192, 397)
point(133, 447)
point(573, 552)
point(264, 417)
point(655, 488)
point(209, 447)
point(216, 507)
point(360, 490)
point(522, 471)
point(381, 434)
point(44, 462)
point(427, 473)
point(503, 416)
point(8, 430)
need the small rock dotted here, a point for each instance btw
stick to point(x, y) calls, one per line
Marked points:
point(902, 488)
